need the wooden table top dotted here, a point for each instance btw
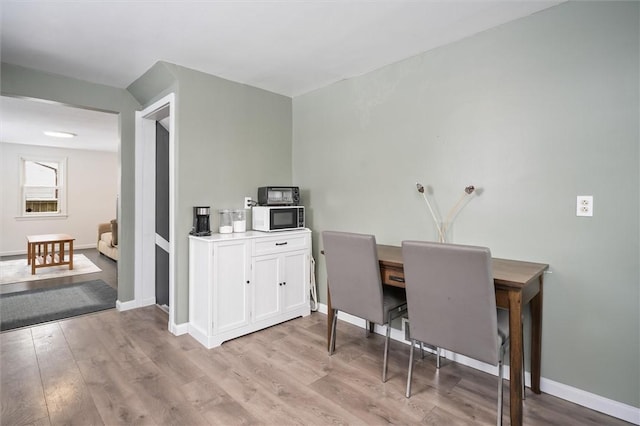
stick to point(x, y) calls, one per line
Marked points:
point(513, 273)
point(49, 238)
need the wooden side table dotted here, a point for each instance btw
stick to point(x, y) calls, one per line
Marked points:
point(49, 250)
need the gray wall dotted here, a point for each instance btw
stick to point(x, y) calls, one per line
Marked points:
point(534, 113)
point(19, 81)
point(230, 139)
point(156, 83)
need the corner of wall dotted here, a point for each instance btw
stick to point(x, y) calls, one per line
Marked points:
point(155, 83)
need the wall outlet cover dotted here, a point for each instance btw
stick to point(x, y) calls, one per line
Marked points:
point(584, 205)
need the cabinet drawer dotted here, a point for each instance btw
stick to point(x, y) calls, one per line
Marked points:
point(392, 276)
point(277, 245)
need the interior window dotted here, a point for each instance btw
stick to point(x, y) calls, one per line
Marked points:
point(43, 187)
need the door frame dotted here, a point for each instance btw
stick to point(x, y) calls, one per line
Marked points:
point(145, 234)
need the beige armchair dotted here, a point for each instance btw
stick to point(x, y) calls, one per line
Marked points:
point(108, 239)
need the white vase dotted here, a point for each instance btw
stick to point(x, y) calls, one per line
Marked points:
point(443, 231)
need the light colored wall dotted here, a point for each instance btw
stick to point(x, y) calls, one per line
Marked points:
point(230, 139)
point(26, 82)
point(157, 82)
point(534, 113)
point(92, 183)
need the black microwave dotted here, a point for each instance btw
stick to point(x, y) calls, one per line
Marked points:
point(278, 196)
point(277, 218)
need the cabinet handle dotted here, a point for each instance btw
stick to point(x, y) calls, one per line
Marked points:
point(281, 244)
point(284, 283)
point(279, 284)
point(247, 281)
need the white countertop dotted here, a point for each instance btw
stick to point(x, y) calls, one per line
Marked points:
point(248, 234)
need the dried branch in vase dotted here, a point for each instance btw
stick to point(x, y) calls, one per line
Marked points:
point(443, 226)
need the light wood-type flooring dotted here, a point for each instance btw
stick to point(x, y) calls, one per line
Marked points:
point(126, 368)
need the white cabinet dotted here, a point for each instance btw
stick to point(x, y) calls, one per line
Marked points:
point(240, 283)
point(231, 261)
point(277, 276)
point(265, 275)
point(296, 267)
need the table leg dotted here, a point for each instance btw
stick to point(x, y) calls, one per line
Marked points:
point(515, 359)
point(536, 339)
point(32, 258)
point(329, 318)
point(70, 254)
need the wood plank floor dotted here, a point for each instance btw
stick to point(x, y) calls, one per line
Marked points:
point(126, 368)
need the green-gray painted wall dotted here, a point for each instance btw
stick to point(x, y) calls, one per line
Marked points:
point(230, 139)
point(25, 82)
point(156, 83)
point(533, 113)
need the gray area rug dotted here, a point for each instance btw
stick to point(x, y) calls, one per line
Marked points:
point(30, 307)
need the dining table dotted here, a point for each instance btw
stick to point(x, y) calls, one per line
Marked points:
point(517, 283)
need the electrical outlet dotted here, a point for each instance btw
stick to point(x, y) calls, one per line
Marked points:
point(584, 205)
point(247, 202)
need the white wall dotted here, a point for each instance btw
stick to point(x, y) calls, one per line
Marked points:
point(92, 179)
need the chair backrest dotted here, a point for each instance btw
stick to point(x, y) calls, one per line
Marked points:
point(451, 298)
point(353, 274)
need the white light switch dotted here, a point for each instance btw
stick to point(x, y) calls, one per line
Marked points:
point(584, 205)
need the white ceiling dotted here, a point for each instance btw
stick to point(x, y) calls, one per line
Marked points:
point(24, 121)
point(288, 47)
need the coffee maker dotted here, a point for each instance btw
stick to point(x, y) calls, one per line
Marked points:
point(201, 221)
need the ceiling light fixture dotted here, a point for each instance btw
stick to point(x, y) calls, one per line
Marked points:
point(57, 134)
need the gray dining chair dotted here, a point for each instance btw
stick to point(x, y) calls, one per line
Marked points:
point(451, 303)
point(355, 285)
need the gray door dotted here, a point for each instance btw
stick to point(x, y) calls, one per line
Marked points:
point(162, 215)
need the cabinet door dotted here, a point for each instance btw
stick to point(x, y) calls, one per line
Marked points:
point(231, 264)
point(265, 284)
point(295, 291)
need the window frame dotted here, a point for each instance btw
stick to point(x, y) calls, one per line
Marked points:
point(61, 188)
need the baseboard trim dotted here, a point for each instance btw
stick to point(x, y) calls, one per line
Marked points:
point(595, 402)
point(24, 252)
point(147, 302)
point(179, 329)
point(568, 393)
point(126, 306)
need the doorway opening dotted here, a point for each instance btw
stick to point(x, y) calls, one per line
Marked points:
point(155, 189)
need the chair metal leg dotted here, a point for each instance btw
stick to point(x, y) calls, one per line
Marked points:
point(386, 348)
point(367, 327)
point(332, 342)
point(524, 393)
point(438, 358)
point(422, 350)
point(413, 343)
point(500, 387)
